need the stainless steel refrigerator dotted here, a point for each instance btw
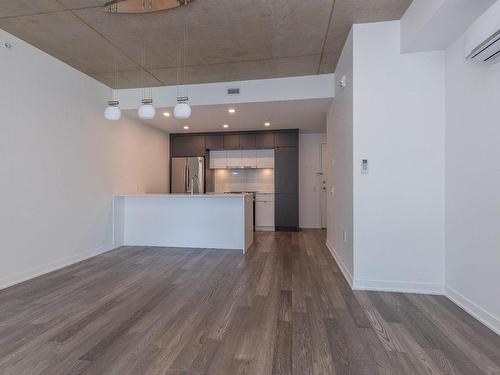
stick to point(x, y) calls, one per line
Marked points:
point(188, 175)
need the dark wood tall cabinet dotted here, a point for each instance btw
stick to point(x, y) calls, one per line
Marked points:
point(286, 181)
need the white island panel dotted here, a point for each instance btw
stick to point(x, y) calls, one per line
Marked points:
point(194, 221)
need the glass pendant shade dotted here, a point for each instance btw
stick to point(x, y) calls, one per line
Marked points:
point(182, 111)
point(146, 110)
point(112, 112)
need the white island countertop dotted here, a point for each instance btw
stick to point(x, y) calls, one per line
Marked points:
point(207, 195)
point(210, 221)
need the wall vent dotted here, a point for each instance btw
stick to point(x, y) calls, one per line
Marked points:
point(233, 91)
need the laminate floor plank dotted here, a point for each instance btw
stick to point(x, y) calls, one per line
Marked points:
point(282, 308)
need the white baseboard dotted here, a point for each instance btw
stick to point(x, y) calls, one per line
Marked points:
point(488, 319)
point(46, 268)
point(398, 286)
point(485, 317)
point(340, 262)
point(264, 229)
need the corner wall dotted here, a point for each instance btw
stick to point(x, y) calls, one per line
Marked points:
point(61, 162)
point(398, 124)
point(340, 168)
point(426, 215)
point(472, 185)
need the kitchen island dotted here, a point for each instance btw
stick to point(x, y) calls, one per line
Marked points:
point(214, 221)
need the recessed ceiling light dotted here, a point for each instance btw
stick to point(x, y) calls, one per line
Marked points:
point(231, 110)
point(166, 114)
point(186, 127)
point(267, 124)
point(225, 126)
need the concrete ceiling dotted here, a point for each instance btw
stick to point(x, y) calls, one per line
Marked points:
point(226, 40)
point(309, 116)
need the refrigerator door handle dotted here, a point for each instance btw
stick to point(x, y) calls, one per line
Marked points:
point(189, 182)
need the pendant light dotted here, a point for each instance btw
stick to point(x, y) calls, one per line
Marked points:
point(182, 110)
point(112, 112)
point(146, 111)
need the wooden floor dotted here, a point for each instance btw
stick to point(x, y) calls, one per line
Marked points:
point(284, 308)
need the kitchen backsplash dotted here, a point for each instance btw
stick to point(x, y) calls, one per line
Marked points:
point(231, 180)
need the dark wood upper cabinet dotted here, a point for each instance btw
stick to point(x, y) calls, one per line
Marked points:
point(286, 170)
point(247, 141)
point(264, 140)
point(231, 141)
point(214, 142)
point(188, 145)
point(286, 139)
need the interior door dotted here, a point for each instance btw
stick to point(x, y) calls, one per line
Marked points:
point(323, 184)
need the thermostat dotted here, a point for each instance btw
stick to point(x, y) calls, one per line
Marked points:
point(364, 166)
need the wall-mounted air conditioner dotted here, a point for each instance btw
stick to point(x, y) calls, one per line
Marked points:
point(482, 39)
point(488, 52)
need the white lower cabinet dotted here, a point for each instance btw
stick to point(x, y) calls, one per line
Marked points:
point(264, 212)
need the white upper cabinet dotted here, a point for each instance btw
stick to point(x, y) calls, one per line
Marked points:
point(265, 158)
point(234, 159)
point(218, 159)
point(249, 158)
point(242, 159)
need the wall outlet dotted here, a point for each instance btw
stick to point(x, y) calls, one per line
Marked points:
point(344, 235)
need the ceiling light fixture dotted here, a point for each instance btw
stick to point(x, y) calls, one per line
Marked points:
point(142, 6)
point(182, 110)
point(225, 126)
point(267, 124)
point(231, 110)
point(146, 111)
point(112, 112)
point(166, 114)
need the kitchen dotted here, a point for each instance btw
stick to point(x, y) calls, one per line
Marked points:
point(226, 185)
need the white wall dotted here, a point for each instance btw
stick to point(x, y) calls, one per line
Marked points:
point(339, 171)
point(316, 86)
point(433, 25)
point(472, 185)
point(399, 122)
point(426, 215)
point(309, 180)
point(61, 162)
